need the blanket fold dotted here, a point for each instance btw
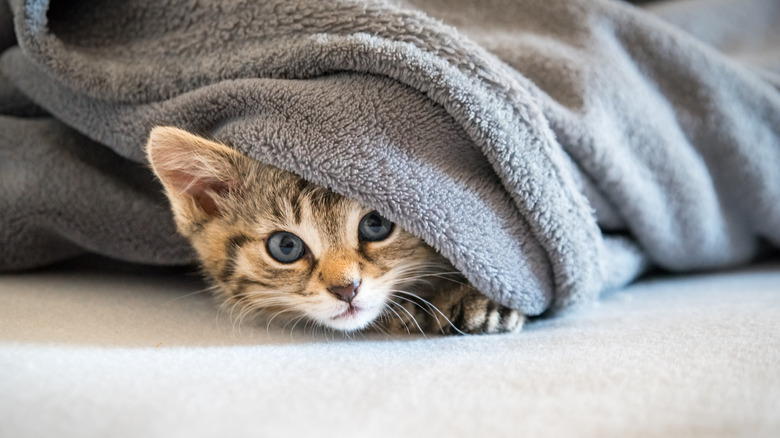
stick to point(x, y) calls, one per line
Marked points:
point(551, 149)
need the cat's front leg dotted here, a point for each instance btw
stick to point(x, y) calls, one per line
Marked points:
point(458, 309)
point(463, 309)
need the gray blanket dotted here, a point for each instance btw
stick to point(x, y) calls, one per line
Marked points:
point(551, 149)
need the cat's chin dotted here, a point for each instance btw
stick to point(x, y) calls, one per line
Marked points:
point(352, 318)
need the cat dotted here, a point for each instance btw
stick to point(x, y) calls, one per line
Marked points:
point(273, 242)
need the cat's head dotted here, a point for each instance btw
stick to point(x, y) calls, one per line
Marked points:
point(275, 242)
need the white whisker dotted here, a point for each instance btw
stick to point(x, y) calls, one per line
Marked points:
point(433, 308)
point(270, 320)
point(413, 302)
point(398, 316)
point(292, 330)
point(204, 290)
point(411, 316)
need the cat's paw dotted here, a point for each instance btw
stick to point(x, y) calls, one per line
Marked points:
point(476, 314)
point(462, 310)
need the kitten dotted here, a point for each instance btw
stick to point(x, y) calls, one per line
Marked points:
point(273, 242)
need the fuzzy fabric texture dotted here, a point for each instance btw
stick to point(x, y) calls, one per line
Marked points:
point(551, 149)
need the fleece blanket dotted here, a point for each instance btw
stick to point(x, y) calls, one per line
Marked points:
point(551, 149)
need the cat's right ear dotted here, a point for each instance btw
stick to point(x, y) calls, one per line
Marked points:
point(196, 172)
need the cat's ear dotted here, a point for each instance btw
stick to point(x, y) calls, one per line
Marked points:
point(195, 171)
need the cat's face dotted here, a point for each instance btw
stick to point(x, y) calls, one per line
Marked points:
point(274, 242)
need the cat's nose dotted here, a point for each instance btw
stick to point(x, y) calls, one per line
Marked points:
point(346, 292)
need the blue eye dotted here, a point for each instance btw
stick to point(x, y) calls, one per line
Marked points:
point(285, 247)
point(373, 227)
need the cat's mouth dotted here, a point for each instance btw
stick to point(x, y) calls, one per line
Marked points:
point(351, 312)
point(351, 316)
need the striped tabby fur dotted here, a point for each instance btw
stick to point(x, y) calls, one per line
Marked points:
point(228, 205)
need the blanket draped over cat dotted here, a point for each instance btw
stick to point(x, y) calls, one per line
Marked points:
point(551, 149)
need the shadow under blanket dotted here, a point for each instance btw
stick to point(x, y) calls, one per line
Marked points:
point(551, 149)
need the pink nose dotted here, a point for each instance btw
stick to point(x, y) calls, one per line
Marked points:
point(346, 292)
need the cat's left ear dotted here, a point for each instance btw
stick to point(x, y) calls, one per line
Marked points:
point(195, 171)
